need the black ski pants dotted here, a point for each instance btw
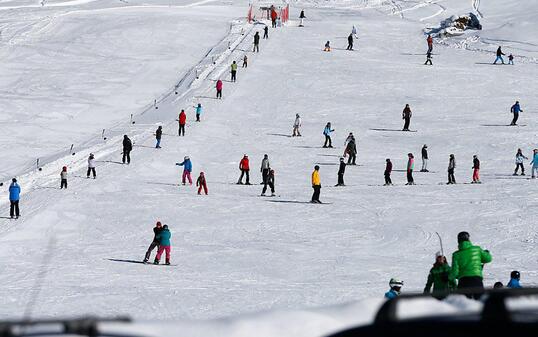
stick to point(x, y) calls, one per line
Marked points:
point(181, 130)
point(271, 185)
point(352, 158)
point(256, 48)
point(451, 178)
point(387, 179)
point(152, 246)
point(328, 141)
point(14, 208)
point(349, 46)
point(514, 120)
point(63, 183)
point(317, 191)
point(126, 156)
point(472, 283)
point(428, 61)
point(219, 93)
point(407, 121)
point(340, 179)
point(234, 75)
point(518, 165)
point(92, 170)
point(410, 176)
point(244, 172)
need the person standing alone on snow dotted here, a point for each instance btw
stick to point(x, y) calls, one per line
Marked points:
point(350, 42)
point(198, 112)
point(429, 40)
point(534, 163)
point(270, 180)
point(410, 167)
point(467, 265)
point(499, 56)
point(451, 168)
point(63, 178)
point(127, 148)
point(341, 171)
point(245, 61)
point(316, 185)
point(164, 245)
point(351, 150)
point(511, 59)
point(424, 159)
point(265, 32)
point(233, 71)
point(476, 170)
point(519, 162)
point(256, 42)
point(327, 46)
point(155, 243)
point(14, 197)
point(182, 120)
point(244, 167)
point(439, 277)
point(301, 18)
point(515, 109)
point(327, 133)
point(187, 169)
point(296, 126)
point(406, 116)
point(158, 135)
point(201, 183)
point(219, 89)
point(388, 170)
point(91, 166)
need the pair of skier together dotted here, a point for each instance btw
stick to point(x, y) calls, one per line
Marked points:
point(201, 182)
point(161, 241)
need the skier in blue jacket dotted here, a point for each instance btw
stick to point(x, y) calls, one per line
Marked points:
point(534, 163)
point(14, 197)
point(187, 169)
point(198, 112)
point(327, 133)
point(395, 287)
point(514, 280)
point(515, 109)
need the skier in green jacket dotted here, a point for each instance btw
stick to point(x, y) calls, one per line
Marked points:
point(467, 264)
point(439, 278)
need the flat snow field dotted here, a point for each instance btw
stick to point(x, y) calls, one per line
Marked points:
point(235, 252)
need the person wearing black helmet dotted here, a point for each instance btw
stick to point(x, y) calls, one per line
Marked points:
point(514, 280)
point(467, 265)
point(341, 171)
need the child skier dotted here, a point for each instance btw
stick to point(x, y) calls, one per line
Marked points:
point(270, 180)
point(63, 178)
point(219, 89)
point(451, 168)
point(301, 18)
point(395, 288)
point(187, 169)
point(511, 59)
point(424, 159)
point(296, 126)
point(182, 121)
point(158, 135)
point(155, 243)
point(519, 162)
point(164, 245)
point(91, 166)
point(244, 167)
point(198, 111)
point(266, 32)
point(341, 171)
point(439, 278)
point(201, 182)
point(388, 170)
point(327, 133)
point(534, 163)
point(327, 46)
point(410, 167)
point(350, 42)
point(514, 280)
point(476, 170)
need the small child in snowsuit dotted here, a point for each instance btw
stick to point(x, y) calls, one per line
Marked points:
point(511, 59)
point(327, 46)
point(201, 182)
point(514, 280)
point(395, 288)
point(271, 182)
point(63, 178)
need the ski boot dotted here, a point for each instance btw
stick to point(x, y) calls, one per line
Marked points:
point(167, 262)
point(156, 261)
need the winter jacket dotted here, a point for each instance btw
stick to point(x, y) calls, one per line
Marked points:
point(342, 168)
point(424, 153)
point(187, 165)
point(452, 163)
point(265, 164)
point(534, 161)
point(439, 278)
point(327, 131)
point(219, 85)
point(199, 110)
point(63, 175)
point(316, 181)
point(499, 52)
point(411, 164)
point(91, 162)
point(159, 133)
point(406, 113)
point(271, 178)
point(14, 192)
point(274, 15)
point(351, 148)
point(297, 121)
point(516, 108)
point(476, 163)
point(244, 164)
point(391, 294)
point(127, 145)
point(201, 181)
point(233, 67)
point(513, 283)
point(256, 38)
point(301, 16)
point(519, 158)
point(156, 231)
point(429, 40)
point(468, 260)
point(164, 237)
point(388, 168)
point(182, 118)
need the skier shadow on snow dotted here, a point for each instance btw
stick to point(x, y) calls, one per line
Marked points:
point(109, 161)
point(496, 125)
point(311, 147)
point(125, 261)
point(208, 97)
point(290, 201)
point(399, 130)
point(157, 183)
point(5, 217)
point(150, 147)
point(328, 164)
point(279, 134)
point(329, 155)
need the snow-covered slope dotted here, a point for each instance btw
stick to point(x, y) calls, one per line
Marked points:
point(235, 252)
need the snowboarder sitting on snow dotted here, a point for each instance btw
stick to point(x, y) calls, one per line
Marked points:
point(14, 197)
point(499, 56)
point(244, 167)
point(514, 280)
point(164, 244)
point(127, 148)
point(270, 180)
point(395, 288)
point(341, 171)
point(388, 170)
point(155, 243)
point(63, 177)
point(439, 278)
point(519, 162)
point(187, 169)
point(327, 46)
point(327, 133)
point(476, 170)
point(201, 182)
point(91, 166)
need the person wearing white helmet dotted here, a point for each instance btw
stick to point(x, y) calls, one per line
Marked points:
point(187, 169)
point(395, 288)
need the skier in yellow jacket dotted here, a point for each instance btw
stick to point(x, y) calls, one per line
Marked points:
point(316, 185)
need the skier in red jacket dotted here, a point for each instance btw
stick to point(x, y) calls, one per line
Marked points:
point(245, 168)
point(219, 89)
point(201, 183)
point(430, 43)
point(182, 121)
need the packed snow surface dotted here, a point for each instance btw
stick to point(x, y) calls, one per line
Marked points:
point(71, 69)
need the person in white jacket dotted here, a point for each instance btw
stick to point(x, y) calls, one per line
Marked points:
point(519, 162)
point(296, 126)
point(91, 166)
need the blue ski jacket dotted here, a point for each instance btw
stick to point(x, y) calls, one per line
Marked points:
point(187, 165)
point(516, 108)
point(14, 192)
point(391, 294)
point(198, 110)
point(327, 131)
point(534, 161)
point(513, 283)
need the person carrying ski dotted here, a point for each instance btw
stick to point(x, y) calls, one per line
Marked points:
point(155, 243)
point(245, 61)
point(395, 288)
point(451, 168)
point(158, 135)
point(429, 40)
point(499, 56)
point(351, 150)
point(233, 71)
point(341, 171)
point(428, 58)
point(256, 42)
point(327, 133)
point(14, 198)
point(187, 169)
point(534, 163)
point(511, 59)
point(514, 280)
point(515, 109)
point(91, 166)
point(439, 278)
point(244, 167)
point(201, 183)
point(270, 180)
point(199, 111)
point(467, 265)
point(316, 185)
point(476, 170)
point(406, 116)
point(350, 42)
point(301, 18)
point(127, 148)
point(264, 169)
point(63, 178)
point(519, 162)
point(388, 170)
point(266, 32)
point(410, 168)
point(219, 88)
point(296, 126)
point(164, 245)
point(182, 121)
point(424, 159)
point(327, 46)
